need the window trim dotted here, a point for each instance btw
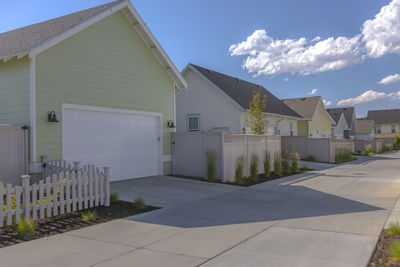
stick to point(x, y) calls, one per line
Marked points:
point(189, 116)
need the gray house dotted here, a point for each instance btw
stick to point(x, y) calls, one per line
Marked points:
point(349, 116)
point(218, 102)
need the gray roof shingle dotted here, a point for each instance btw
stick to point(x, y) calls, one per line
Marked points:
point(348, 113)
point(23, 39)
point(305, 106)
point(242, 92)
point(386, 116)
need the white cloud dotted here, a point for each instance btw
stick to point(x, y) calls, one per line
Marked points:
point(390, 79)
point(368, 96)
point(382, 34)
point(313, 91)
point(327, 102)
point(265, 55)
point(286, 79)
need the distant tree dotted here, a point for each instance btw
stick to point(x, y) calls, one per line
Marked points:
point(256, 120)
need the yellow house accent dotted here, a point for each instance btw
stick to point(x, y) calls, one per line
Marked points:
point(317, 122)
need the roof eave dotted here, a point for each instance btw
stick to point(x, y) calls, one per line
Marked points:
point(138, 25)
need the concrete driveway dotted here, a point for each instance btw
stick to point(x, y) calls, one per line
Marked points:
point(329, 217)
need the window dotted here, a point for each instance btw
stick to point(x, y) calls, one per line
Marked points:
point(193, 122)
point(393, 128)
point(378, 129)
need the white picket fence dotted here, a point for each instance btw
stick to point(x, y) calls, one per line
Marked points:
point(65, 189)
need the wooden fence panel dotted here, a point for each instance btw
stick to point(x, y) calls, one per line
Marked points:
point(13, 153)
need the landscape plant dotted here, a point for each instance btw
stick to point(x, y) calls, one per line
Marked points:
point(343, 155)
point(309, 158)
point(89, 216)
point(239, 167)
point(256, 120)
point(394, 228)
point(277, 165)
point(254, 168)
point(139, 203)
point(395, 251)
point(211, 166)
point(114, 197)
point(295, 162)
point(285, 163)
point(267, 164)
point(25, 229)
point(396, 143)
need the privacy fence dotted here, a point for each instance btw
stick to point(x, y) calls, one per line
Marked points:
point(13, 153)
point(374, 145)
point(66, 188)
point(323, 149)
point(192, 149)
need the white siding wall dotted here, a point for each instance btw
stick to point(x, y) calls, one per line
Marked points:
point(215, 109)
point(275, 122)
point(337, 131)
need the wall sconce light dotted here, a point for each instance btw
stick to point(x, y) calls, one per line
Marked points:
point(171, 124)
point(52, 117)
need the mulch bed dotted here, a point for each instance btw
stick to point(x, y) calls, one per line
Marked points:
point(247, 182)
point(72, 221)
point(382, 256)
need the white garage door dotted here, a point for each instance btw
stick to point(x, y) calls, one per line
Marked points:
point(128, 143)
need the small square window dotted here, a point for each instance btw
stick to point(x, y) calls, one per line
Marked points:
point(193, 123)
point(393, 128)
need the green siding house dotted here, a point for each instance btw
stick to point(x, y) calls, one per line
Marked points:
point(108, 81)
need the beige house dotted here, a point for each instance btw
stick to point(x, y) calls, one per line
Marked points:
point(365, 129)
point(387, 122)
point(317, 122)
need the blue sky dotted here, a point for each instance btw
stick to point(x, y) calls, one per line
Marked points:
point(202, 32)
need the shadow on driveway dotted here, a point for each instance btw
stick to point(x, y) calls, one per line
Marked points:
point(275, 203)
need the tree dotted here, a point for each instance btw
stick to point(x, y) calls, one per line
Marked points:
point(256, 120)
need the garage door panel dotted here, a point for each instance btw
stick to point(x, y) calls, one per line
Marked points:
point(127, 143)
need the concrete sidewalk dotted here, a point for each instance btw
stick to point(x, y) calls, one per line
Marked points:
point(329, 217)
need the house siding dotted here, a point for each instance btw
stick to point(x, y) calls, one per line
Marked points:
point(282, 124)
point(105, 65)
point(302, 128)
point(215, 109)
point(321, 125)
point(386, 130)
point(14, 92)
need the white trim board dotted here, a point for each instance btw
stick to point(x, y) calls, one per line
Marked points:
point(32, 96)
point(122, 111)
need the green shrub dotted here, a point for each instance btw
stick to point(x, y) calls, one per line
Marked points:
point(254, 168)
point(139, 203)
point(343, 155)
point(25, 229)
point(267, 164)
point(114, 197)
point(396, 143)
point(295, 162)
point(305, 168)
point(394, 228)
point(362, 153)
point(211, 166)
point(395, 250)
point(277, 165)
point(368, 148)
point(239, 170)
point(371, 154)
point(285, 164)
point(309, 158)
point(89, 216)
